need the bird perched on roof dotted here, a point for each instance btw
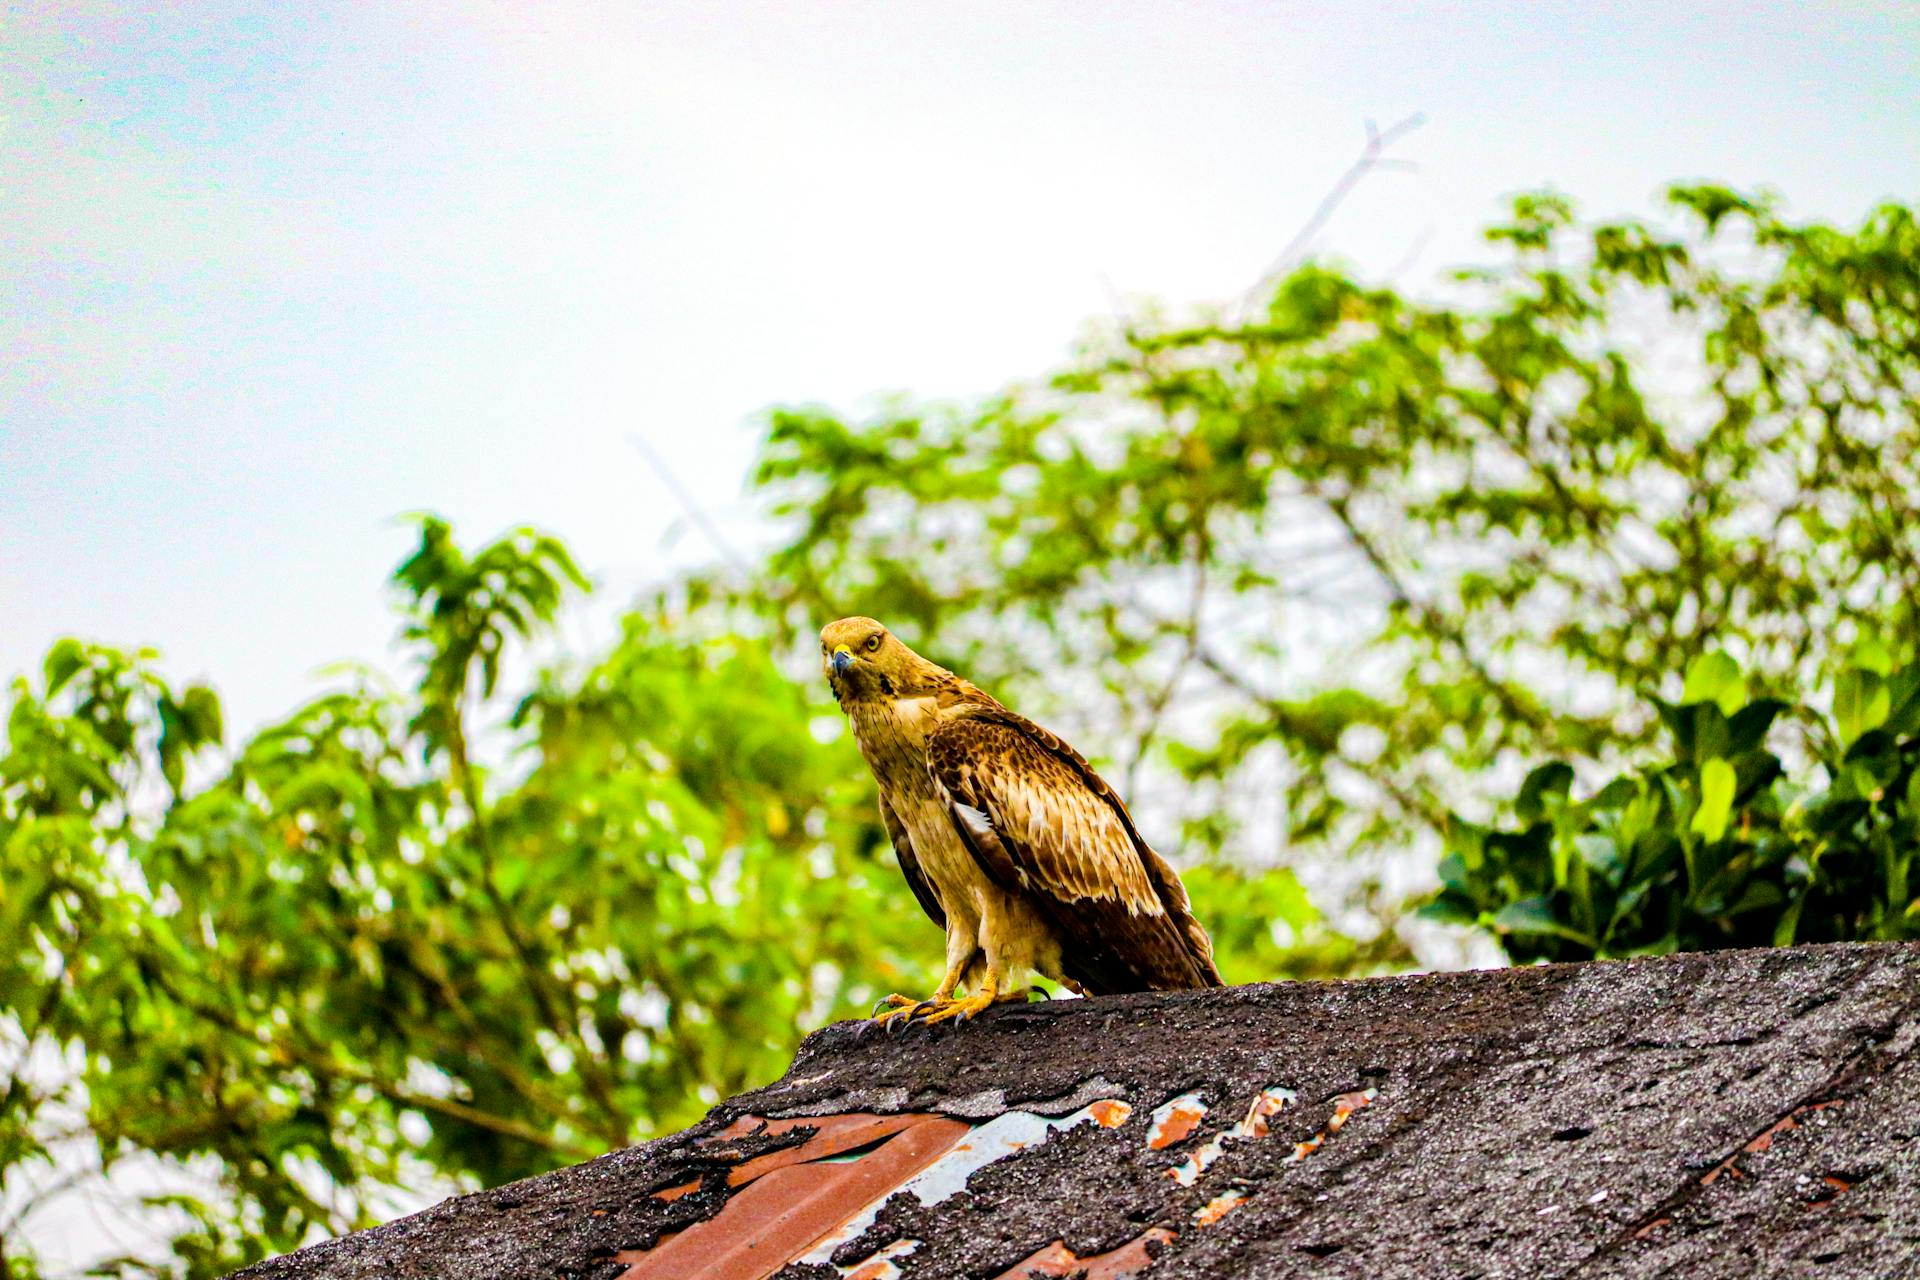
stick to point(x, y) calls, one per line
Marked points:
point(1008, 838)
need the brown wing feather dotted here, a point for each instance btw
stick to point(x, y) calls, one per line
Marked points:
point(910, 864)
point(1041, 822)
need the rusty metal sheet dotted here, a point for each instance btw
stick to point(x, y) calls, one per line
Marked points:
point(883, 1265)
point(836, 1134)
point(1056, 1259)
point(1003, 1136)
point(773, 1219)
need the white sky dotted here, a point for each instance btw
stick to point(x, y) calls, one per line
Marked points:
point(274, 274)
point(271, 275)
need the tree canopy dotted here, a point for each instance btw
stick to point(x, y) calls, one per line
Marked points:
point(1586, 582)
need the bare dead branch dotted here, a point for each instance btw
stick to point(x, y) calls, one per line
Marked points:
point(1372, 158)
point(695, 512)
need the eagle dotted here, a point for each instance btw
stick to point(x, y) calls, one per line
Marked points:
point(1009, 840)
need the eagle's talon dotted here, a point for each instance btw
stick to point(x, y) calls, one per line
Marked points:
point(894, 1001)
point(890, 1022)
point(962, 1010)
point(907, 1012)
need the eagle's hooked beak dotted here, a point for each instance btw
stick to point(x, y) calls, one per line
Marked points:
point(842, 658)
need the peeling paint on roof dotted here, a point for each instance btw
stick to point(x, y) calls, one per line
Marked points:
point(1266, 1104)
point(1343, 1107)
point(1218, 1207)
point(1175, 1121)
point(999, 1138)
point(1056, 1259)
point(768, 1222)
point(882, 1265)
point(832, 1136)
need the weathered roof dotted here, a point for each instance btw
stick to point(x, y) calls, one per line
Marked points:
point(1739, 1114)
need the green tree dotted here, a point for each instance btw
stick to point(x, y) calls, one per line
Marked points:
point(357, 956)
point(437, 935)
point(1315, 582)
point(1368, 553)
point(1720, 845)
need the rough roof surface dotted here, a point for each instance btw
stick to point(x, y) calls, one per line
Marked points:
point(1737, 1114)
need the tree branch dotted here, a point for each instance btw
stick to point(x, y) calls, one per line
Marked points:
point(1372, 157)
point(1431, 619)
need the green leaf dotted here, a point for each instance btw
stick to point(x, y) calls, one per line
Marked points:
point(1616, 794)
point(1449, 908)
point(200, 712)
point(1714, 677)
point(1712, 734)
point(1759, 895)
point(1716, 800)
point(1786, 930)
point(1903, 701)
point(1860, 703)
point(1748, 727)
point(63, 660)
point(1542, 787)
point(1536, 916)
point(1680, 723)
point(1871, 655)
point(512, 876)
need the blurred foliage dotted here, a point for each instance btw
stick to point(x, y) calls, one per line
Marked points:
point(359, 956)
point(1309, 578)
point(1720, 846)
point(1356, 550)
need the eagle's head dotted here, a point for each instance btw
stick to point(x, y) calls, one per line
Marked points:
point(862, 660)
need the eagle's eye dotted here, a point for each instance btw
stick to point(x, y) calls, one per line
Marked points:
point(873, 643)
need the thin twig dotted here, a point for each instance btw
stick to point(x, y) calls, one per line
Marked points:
point(1372, 157)
point(323, 1065)
point(37, 1198)
point(1408, 803)
point(593, 1073)
point(1196, 605)
point(685, 498)
point(1430, 617)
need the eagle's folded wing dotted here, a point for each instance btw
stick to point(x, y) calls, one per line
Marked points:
point(1042, 824)
point(910, 864)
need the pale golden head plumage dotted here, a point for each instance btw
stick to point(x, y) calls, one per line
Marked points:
point(862, 660)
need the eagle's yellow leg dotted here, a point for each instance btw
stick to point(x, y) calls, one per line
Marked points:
point(984, 997)
point(903, 1009)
